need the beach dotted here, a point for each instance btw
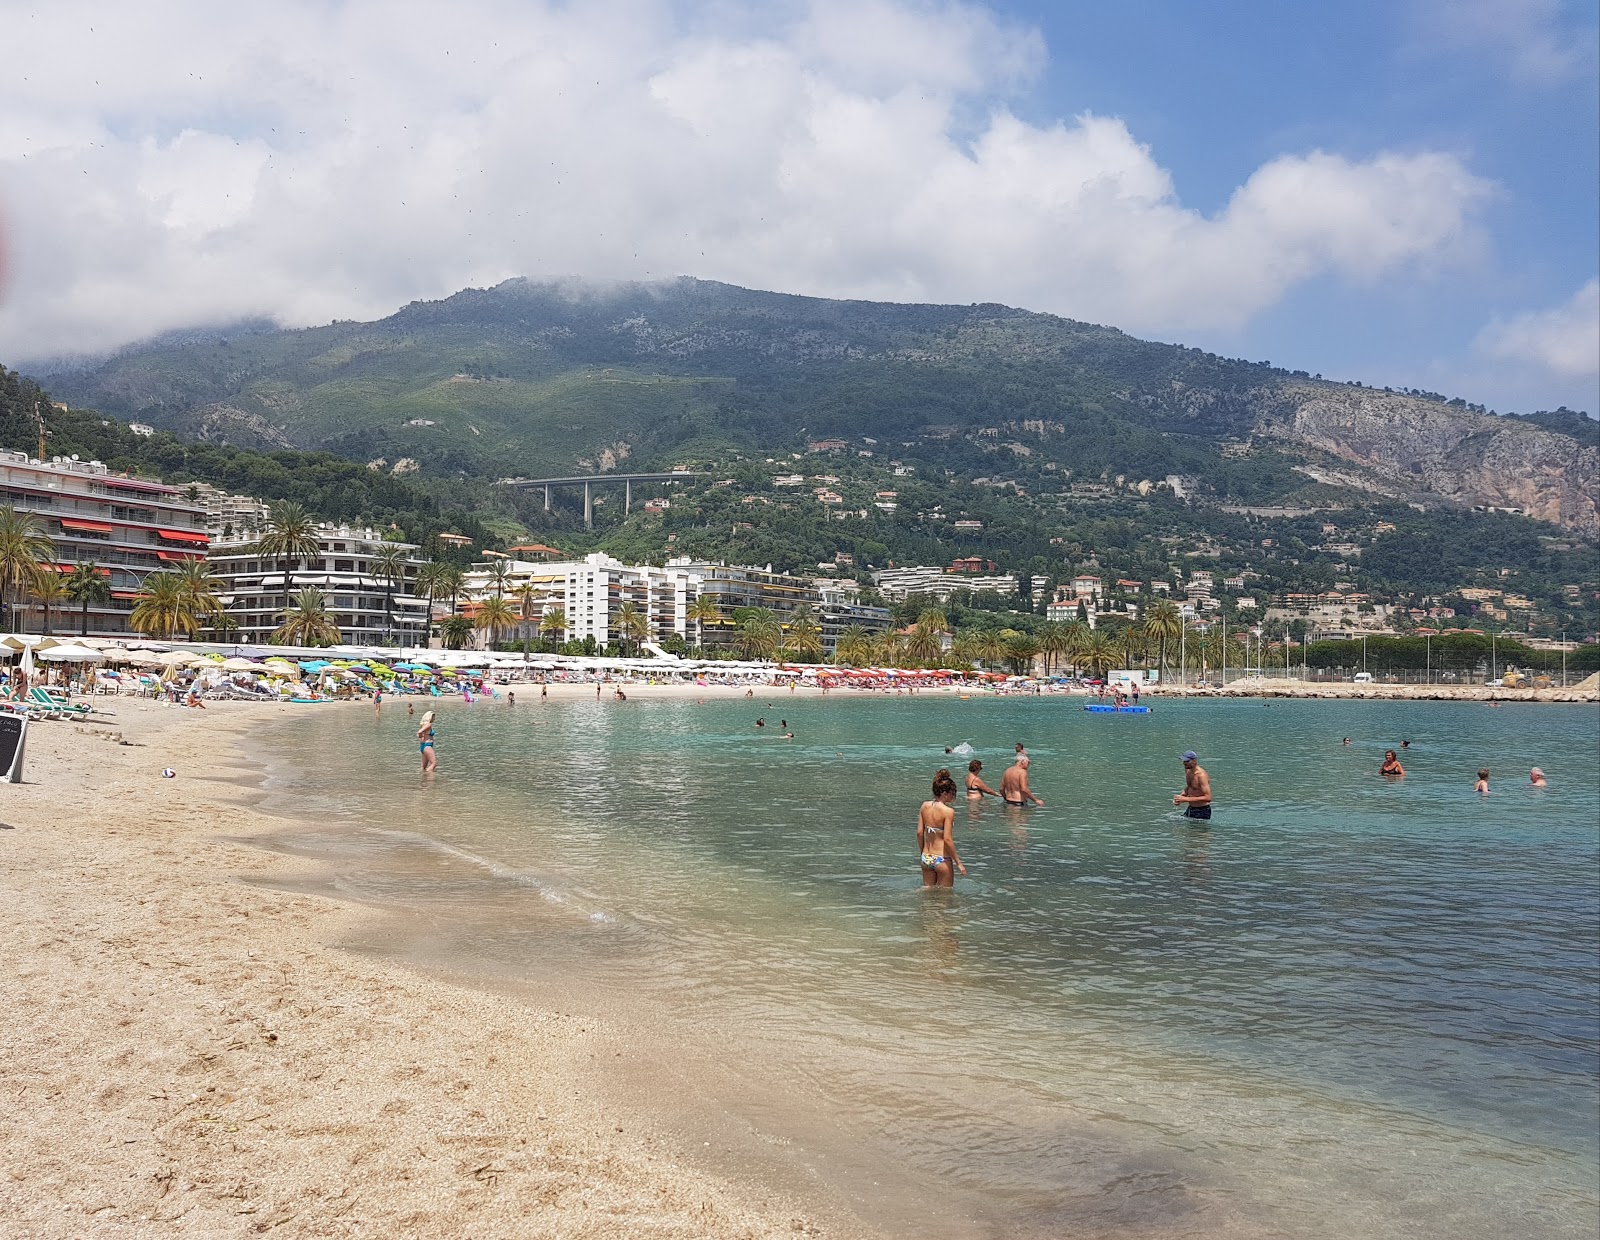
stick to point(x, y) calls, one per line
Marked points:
point(186, 1052)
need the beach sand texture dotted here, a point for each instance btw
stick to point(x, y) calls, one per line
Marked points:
point(183, 1053)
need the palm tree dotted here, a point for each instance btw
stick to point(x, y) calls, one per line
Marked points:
point(86, 584)
point(553, 624)
point(1076, 634)
point(632, 625)
point(1053, 644)
point(1020, 652)
point(525, 594)
point(50, 591)
point(291, 538)
point(854, 646)
point(493, 615)
point(389, 566)
point(804, 633)
point(199, 586)
point(454, 629)
point(1163, 624)
point(923, 645)
point(499, 578)
point(306, 622)
point(701, 612)
point(23, 547)
point(759, 635)
point(1132, 645)
point(163, 608)
point(990, 647)
point(431, 582)
point(1098, 654)
point(452, 580)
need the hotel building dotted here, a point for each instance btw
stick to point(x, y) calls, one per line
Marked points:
point(252, 589)
point(589, 593)
point(126, 527)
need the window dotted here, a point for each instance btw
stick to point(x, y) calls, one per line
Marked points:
point(344, 566)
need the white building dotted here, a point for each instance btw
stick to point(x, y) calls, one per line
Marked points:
point(368, 611)
point(590, 592)
point(896, 584)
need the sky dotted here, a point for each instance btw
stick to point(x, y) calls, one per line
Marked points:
point(1404, 192)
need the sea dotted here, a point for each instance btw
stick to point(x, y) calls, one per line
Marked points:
point(1345, 1006)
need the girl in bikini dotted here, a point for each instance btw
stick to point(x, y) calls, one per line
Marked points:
point(425, 743)
point(936, 834)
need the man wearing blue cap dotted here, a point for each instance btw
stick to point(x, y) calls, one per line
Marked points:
point(1196, 794)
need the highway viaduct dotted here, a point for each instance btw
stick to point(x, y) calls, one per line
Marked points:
point(587, 482)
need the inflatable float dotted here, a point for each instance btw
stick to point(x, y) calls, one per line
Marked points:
point(1097, 709)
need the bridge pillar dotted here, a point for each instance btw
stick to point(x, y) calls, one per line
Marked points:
point(588, 508)
point(627, 497)
point(547, 499)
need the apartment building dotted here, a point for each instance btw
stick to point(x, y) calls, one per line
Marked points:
point(895, 584)
point(126, 527)
point(840, 608)
point(368, 610)
point(731, 586)
point(589, 592)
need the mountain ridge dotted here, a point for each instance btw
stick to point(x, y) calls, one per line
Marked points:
point(529, 377)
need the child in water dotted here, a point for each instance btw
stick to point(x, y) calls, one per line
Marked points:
point(1482, 786)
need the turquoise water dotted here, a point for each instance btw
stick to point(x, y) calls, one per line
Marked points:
point(1349, 1006)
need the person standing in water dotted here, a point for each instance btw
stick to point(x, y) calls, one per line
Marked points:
point(1482, 786)
point(1196, 794)
point(1536, 778)
point(976, 788)
point(1014, 788)
point(425, 739)
point(1391, 764)
point(936, 844)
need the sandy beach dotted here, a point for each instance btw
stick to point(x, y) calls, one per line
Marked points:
point(185, 1053)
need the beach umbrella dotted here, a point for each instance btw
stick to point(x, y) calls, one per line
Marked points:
point(171, 658)
point(241, 665)
point(72, 654)
point(117, 654)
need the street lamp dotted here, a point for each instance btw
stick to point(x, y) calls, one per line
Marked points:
point(1494, 657)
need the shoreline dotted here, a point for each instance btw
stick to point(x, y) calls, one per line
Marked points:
point(189, 1048)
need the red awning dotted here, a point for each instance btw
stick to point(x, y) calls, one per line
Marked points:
point(203, 540)
point(126, 594)
point(182, 557)
point(88, 527)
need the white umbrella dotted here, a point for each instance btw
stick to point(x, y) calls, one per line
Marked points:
point(116, 654)
point(27, 662)
point(239, 665)
point(72, 654)
point(170, 658)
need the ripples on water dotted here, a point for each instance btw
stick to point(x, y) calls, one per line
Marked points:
point(1349, 1006)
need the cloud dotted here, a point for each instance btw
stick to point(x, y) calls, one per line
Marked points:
point(1529, 39)
point(178, 164)
point(1564, 339)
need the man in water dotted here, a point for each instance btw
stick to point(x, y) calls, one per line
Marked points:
point(1196, 794)
point(1014, 783)
point(1537, 779)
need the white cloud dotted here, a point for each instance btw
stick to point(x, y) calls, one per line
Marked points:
point(1530, 39)
point(1564, 339)
point(169, 165)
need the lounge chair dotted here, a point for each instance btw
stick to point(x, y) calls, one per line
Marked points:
point(46, 701)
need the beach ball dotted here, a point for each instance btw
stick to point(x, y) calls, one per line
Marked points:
point(168, 773)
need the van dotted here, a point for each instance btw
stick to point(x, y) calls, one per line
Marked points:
point(1362, 678)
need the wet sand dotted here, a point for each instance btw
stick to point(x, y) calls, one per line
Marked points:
point(184, 1052)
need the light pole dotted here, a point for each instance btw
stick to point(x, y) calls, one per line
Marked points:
point(1363, 652)
point(1494, 657)
point(1427, 657)
point(1563, 658)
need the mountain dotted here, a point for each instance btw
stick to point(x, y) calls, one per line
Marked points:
point(533, 379)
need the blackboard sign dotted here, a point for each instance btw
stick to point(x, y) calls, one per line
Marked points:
point(13, 735)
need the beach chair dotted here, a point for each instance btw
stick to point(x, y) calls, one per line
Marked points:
point(44, 700)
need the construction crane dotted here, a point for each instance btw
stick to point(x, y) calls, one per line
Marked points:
point(38, 418)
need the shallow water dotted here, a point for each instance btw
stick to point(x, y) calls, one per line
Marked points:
point(1349, 1006)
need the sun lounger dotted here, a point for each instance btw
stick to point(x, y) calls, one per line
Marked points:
point(46, 701)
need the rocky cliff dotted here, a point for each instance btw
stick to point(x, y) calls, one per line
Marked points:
point(1470, 458)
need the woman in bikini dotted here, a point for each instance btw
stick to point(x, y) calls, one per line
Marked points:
point(1391, 764)
point(425, 743)
point(976, 788)
point(936, 834)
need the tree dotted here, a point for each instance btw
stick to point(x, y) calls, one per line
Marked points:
point(759, 635)
point(499, 578)
point(23, 547)
point(990, 647)
point(854, 647)
point(1020, 651)
point(632, 625)
point(804, 633)
point(389, 566)
point(1099, 652)
point(163, 608)
point(87, 585)
point(306, 622)
point(199, 585)
point(553, 624)
point(1131, 644)
point(50, 591)
point(1163, 624)
point(701, 612)
point(291, 538)
point(432, 580)
point(1053, 644)
point(493, 615)
point(455, 629)
point(526, 595)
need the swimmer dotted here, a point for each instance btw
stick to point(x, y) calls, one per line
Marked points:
point(425, 739)
point(511, 698)
point(1347, 740)
point(1482, 786)
point(976, 788)
point(411, 709)
point(936, 843)
point(1391, 764)
point(761, 723)
point(1196, 794)
point(1536, 778)
point(1405, 744)
point(1014, 783)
